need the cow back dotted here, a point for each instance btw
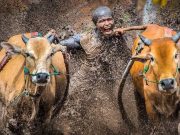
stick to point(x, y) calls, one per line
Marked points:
point(12, 76)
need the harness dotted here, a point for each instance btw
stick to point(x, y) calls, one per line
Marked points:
point(5, 60)
point(27, 92)
point(55, 71)
point(146, 69)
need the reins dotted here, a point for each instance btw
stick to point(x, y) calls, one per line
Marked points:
point(5, 60)
point(146, 69)
point(27, 92)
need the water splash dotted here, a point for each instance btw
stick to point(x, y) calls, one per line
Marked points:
point(149, 12)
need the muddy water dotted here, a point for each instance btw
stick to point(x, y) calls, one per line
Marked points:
point(149, 12)
point(93, 108)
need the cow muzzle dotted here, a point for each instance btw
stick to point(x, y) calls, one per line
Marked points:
point(41, 78)
point(168, 85)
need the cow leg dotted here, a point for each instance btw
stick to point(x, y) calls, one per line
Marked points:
point(142, 114)
point(48, 116)
point(48, 108)
point(48, 99)
point(35, 110)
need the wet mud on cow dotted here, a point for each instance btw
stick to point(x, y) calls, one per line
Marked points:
point(35, 76)
point(155, 71)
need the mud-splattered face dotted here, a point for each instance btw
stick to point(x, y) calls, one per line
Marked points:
point(105, 25)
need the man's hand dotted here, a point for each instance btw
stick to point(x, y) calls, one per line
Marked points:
point(118, 31)
point(52, 32)
point(52, 35)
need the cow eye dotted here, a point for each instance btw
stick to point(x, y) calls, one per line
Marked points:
point(152, 59)
point(27, 54)
point(50, 55)
point(176, 56)
point(30, 55)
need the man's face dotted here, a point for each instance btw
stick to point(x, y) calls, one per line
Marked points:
point(105, 25)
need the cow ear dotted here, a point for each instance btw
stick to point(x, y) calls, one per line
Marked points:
point(10, 48)
point(58, 47)
point(141, 57)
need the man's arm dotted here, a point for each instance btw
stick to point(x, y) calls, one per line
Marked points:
point(72, 42)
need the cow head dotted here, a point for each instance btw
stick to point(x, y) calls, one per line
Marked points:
point(38, 53)
point(162, 58)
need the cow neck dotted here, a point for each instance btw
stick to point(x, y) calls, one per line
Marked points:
point(166, 104)
point(27, 91)
point(28, 85)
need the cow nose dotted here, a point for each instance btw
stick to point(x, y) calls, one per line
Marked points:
point(42, 77)
point(167, 84)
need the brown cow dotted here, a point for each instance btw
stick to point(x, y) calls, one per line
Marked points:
point(39, 58)
point(155, 74)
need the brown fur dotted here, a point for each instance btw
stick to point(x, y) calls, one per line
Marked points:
point(163, 49)
point(12, 76)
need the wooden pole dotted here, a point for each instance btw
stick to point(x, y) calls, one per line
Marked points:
point(143, 27)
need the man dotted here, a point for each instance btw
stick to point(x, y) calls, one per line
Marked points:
point(96, 43)
point(104, 22)
point(92, 91)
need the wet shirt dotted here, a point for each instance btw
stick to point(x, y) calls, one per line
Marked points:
point(91, 45)
point(98, 48)
point(105, 60)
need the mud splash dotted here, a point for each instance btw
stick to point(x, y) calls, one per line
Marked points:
point(149, 13)
point(85, 104)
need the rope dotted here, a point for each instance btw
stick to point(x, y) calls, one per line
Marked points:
point(26, 92)
point(5, 60)
point(145, 70)
point(149, 80)
point(124, 115)
point(55, 72)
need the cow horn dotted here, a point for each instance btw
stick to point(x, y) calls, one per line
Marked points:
point(176, 37)
point(51, 38)
point(146, 41)
point(25, 39)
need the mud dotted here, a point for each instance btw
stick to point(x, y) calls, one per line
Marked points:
point(92, 108)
